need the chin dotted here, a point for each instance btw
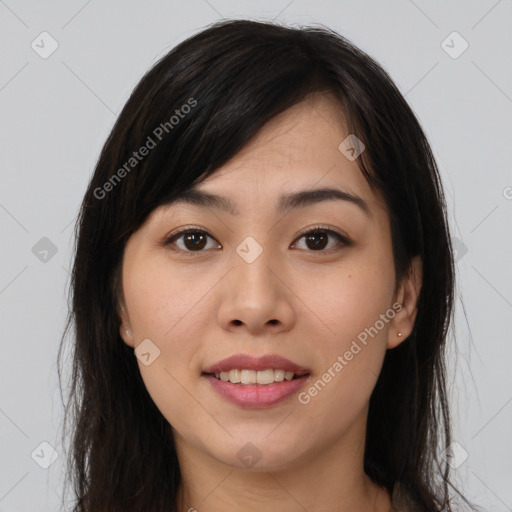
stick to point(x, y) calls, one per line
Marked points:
point(259, 454)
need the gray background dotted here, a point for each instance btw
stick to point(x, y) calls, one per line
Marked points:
point(57, 112)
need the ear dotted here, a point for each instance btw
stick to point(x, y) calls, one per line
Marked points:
point(407, 296)
point(125, 329)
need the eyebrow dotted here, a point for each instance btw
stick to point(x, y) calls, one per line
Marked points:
point(286, 202)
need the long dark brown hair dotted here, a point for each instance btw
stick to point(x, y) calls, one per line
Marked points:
point(235, 76)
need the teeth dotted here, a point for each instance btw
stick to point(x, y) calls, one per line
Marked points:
point(251, 377)
point(234, 376)
point(248, 377)
point(279, 375)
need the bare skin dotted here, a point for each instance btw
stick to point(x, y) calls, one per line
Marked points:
point(201, 306)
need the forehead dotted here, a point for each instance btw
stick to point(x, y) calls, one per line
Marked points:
point(296, 151)
point(293, 161)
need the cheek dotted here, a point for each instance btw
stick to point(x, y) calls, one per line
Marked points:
point(352, 311)
point(351, 354)
point(348, 300)
point(164, 308)
point(163, 299)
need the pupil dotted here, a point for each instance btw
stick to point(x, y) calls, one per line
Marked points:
point(314, 237)
point(197, 244)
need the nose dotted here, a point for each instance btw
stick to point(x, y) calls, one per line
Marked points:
point(256, 297)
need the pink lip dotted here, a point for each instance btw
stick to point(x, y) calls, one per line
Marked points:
point(256, 396)
point(247, 362)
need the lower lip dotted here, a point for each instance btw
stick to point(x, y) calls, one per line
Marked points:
point(256, 396)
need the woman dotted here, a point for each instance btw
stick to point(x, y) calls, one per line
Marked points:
point(262, 288)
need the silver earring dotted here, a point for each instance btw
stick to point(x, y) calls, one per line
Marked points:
point(399, 334)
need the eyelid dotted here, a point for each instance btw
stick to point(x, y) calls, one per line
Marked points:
point(327, 229)
point(182, 230)
point(179, 232)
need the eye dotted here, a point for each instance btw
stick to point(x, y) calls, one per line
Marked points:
point(194, 239)
point(316, 238)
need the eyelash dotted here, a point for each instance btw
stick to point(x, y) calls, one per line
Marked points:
point(307, 231)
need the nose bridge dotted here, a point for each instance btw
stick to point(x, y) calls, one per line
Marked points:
point(253, 261)
point(254, 295)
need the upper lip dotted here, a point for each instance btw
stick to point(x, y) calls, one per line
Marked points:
point(248, 362)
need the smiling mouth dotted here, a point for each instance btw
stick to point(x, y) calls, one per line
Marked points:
point(266, 377)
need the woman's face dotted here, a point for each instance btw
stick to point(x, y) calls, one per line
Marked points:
point(253, 284)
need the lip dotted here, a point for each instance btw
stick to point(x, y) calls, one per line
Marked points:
point(256, 396)
point(248, 362)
